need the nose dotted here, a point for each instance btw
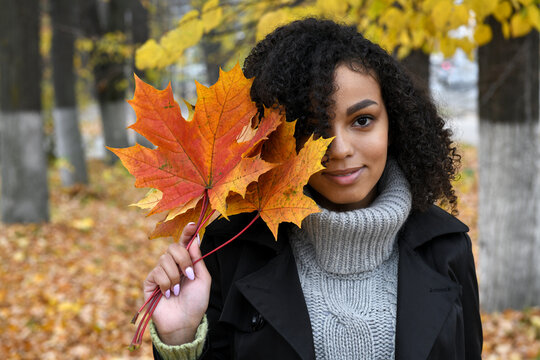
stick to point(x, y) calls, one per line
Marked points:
point(341, 147)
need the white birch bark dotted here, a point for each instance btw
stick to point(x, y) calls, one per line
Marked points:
point(25, 192)
point(509, 215)
point(114, 121)
point(69, 146)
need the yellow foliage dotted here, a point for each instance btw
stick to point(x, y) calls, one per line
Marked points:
point(505, 28)
point(270, 21)
point(460, 16)
point(394, 18)
point(447, 46)
point(211, 15)
point(418, 37)
point(150, 55)
point(481, 8)
point(332, 7)
point(467, 46)
point(440, 14)
point(519, 25)
point(376, 8)
point(482, 34)
point(274, 19)
point(404, 39)
point(189, 16)
point(84, 44)
point(403, 51)
point(374, 33)
point(187, 34)
point(533, 15)
point(503, 11)
point(428, 5)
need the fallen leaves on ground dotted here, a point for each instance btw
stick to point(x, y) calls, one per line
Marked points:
point(70, 288)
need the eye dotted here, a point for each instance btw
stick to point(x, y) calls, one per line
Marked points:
point(363, 121)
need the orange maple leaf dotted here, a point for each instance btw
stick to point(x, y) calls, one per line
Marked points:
point(278, 195)
point(175, 226)
point(204, 154)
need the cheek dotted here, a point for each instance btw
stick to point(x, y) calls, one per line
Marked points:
point(376, 148)
point(316, 181)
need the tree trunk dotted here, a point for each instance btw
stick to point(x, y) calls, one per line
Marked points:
point(417, 63)
point(24, 189)
point(110, 78)
point(140, 33)
point(211, 50)
point(69, 146)
point(509, 170)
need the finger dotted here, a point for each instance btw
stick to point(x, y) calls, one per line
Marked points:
point(157, 277)
point(187, 233)
point(171, 266)
point(182, 259)
point(199, 267)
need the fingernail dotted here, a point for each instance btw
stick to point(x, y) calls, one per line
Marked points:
point(176, 289)
point(189, 273)
point(168, 294)
point(191, 223)
point(198, 239)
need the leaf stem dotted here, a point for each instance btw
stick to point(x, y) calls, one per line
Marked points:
point(230, 240)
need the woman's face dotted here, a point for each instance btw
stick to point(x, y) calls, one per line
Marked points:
point(357, 156)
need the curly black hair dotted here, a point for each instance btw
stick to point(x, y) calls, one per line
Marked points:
point(294, 67)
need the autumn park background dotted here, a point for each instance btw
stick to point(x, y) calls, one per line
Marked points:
point(73, 254)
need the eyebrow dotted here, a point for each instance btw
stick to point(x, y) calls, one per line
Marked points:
point(360, 105)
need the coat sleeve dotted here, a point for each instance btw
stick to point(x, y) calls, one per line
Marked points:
point(466, 274)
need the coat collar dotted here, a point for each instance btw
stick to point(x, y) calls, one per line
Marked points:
point(423, 226)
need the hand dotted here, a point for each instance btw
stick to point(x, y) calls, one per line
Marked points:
point(177, 317)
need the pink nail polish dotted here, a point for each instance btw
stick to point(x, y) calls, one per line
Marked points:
point(168, 293)
point(176, 289)
point(189, 273)
point(198, 239)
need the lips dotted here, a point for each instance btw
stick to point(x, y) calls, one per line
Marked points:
point(344, 176)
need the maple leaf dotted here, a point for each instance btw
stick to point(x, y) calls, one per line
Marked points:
point(204, 154)
point(278, 195)
point(175, 226)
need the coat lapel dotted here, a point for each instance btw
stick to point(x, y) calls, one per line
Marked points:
point(275, 291)
point(425, 297)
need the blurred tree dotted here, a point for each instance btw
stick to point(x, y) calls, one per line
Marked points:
point(69, 145)
point(24, 190)
point(417, 63)
point(139, 34)
point(509, 170)
point(104, 22)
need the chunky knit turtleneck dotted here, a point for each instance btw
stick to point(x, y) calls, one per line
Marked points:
point(347, 264)
point(354, 241)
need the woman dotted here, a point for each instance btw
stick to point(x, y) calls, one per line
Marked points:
point(380, 272)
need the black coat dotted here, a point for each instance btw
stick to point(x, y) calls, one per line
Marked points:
point(257, 309)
